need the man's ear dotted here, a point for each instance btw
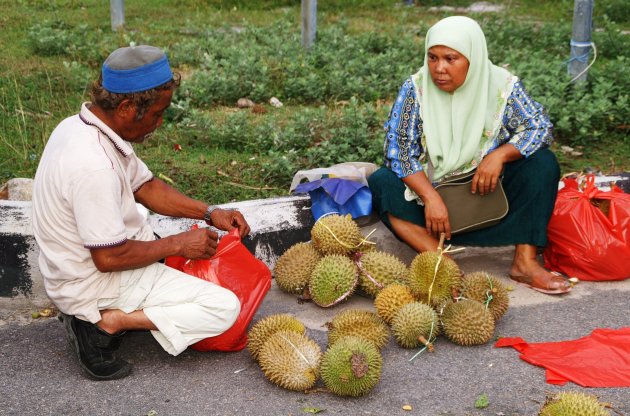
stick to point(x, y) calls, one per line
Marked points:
point(126, 110)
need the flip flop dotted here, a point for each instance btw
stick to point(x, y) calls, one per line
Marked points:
point(527, 281)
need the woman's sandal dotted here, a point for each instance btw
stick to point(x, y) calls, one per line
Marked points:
point(528, 280)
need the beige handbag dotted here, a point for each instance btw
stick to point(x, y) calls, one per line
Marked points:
point(468, 211)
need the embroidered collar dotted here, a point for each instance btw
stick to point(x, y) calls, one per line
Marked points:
point(90, 119)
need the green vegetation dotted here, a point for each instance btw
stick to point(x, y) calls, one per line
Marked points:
point(336, 97)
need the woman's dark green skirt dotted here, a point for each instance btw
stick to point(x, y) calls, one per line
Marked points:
point(530, 184)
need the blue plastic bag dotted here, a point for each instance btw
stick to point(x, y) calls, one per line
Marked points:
point(336, 195)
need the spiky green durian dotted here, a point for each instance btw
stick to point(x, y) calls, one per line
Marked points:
point(336, 234)
point(391, 299)
point(429, 286)
point(351, 366)
point(293, 269)
point(360, 323)
point(333, 280)
point(378, 269)
point(484, 287)
point(571, 403)
point(264, 328)
point(290, 360)
point(415, 324)
point(467, 322)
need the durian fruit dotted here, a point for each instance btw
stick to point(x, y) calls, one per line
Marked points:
point(467, 322)
point(382, 268)
point(290, 360)
point(572, 403)
point(360, 323)
point(336, 234)
point(428, 286)
point(351, 366)
point(391, 299)
point(293, 269)
point(415, 324)
point(333, 280)
point(263, 329)
point(481, 286)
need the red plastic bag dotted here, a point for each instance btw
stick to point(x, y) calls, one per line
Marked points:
point(235, 268)
point(601, 359)
point(589, 233)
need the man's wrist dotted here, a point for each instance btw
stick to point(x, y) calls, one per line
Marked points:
point(207, 216)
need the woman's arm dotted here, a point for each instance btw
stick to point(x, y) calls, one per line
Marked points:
point(526, 125)
point(403, 153)
point(488, 172)
point(403, 128)
point(525, 129)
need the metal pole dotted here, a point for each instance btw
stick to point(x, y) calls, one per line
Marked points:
point(118, 13)
point(581, 39)
point(309, 22)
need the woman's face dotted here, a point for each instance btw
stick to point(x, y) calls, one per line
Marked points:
point(448, 67)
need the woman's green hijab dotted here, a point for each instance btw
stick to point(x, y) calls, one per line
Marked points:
point(458, 124)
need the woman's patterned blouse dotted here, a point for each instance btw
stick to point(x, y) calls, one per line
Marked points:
point(525, 125)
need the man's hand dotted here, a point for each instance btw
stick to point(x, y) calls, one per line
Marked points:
point(226, 220)
point(132, 254)
point(200, 243)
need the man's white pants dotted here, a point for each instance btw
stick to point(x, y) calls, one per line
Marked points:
point(185, 309)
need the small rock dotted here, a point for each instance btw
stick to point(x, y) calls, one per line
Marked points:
point(484, 7)
point(20, 189)
point(275, 102)
point(244, 103)
point(566, 149)
point(442, 9)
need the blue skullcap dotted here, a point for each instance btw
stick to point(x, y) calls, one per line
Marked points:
point(135, 69)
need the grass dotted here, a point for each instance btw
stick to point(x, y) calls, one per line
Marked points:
point(335, 98)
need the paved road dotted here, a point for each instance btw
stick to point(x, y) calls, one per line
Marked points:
point(39, 373)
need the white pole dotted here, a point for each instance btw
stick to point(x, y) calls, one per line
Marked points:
point(309, 22)
point(118, 13)
point(581, 39)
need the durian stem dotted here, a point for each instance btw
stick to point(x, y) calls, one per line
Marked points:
point(424, 341)
point(440, 246)
point(305, 296)
point(317, 390)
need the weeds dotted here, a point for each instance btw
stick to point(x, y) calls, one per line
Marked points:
point(336, 96)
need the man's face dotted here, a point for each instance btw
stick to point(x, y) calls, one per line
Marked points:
point(138, 130)
point(448, 68)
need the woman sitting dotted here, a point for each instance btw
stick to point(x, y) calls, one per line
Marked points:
point(457, 114)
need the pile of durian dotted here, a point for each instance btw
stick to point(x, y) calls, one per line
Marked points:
point(419, 302)
point(351, 365)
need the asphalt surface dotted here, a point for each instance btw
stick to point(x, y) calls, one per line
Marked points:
point(39, 373)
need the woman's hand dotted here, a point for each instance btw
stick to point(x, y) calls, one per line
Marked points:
point(435, 211)
point(487, 175)
point(436, 216)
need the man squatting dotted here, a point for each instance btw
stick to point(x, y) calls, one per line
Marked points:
point(99, 256)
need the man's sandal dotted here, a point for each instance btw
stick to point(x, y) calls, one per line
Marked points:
point(550, 289)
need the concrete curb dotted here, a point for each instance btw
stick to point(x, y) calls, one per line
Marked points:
point(276, 224)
